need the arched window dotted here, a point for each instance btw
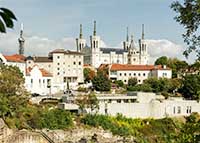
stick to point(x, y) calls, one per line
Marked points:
point(97, 44)
point(94, 44)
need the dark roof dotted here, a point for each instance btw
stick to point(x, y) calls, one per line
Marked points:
point(29, 58)
point(65, 52)
point(43, 59)
point(117, 50)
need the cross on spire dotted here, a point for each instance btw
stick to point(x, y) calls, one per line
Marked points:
point(127, 34)
point(95, 32)
point(81, 32)
point(142, 31)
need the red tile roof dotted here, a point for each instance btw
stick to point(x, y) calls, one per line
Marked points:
point(15, 58)
point(117, 67)
point(44, 72)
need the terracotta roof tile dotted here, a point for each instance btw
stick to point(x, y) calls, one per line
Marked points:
point(116, 67)
point(44, 72)
point(15, 58)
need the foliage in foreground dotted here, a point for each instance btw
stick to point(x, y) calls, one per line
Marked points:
point(148, 130)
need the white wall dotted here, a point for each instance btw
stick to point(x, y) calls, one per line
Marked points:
point(36, 83)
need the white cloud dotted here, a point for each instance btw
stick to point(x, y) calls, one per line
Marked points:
point(34, 45)
point(163, 47)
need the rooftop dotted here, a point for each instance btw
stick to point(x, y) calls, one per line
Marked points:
point(116, 67)
point(44, 72)
point(65, 52)
point(15, 58)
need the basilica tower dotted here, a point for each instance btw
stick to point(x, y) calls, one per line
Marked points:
point(143, 50)
point(95, 47)
point(126, 43)
point(80, 42)
point(133, 54)
point(21, 41)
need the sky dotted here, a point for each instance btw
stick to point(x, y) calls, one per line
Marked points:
point(51, 24)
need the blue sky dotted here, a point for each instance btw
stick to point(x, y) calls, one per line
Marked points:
point(50, 24)
point(61, 18)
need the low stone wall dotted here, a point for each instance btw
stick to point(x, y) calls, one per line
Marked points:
point(79, 134)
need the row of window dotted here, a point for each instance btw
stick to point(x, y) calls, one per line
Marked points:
point(134, 74)
point(178, 110)
point(138, 81)
point(41, 82)
point(79, 63)
point(58, 57)
point(74, 71)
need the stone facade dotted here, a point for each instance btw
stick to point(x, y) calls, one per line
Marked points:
point(147, 105)
point(141, 72)
point(95, 55)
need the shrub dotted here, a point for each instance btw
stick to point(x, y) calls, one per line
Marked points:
point(119, 83)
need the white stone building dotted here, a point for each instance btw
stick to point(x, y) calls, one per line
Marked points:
point(124, 72)
point(14, 60)
point(147, 105)
point(38, 80)
point(95, 55)
point(65, 67)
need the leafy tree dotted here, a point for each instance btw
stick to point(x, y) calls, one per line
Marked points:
point(178, 67)
point(132, 81)
point(188, 15)
point(88, 101)
point(191, 86)
point(88, 74)
point(101, 82)
point(140, 87)
point(53, 119)
point(119, 83)
point(11, 80)
point(162, 61)
point(6, 19)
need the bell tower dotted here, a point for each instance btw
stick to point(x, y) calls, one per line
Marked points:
point(95, 48)
point(80, 42)
point(21, 41)
point(143, 51)
point(126, 43)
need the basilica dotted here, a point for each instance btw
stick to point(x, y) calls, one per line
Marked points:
point(95, 55)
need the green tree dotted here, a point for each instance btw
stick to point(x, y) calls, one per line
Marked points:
point(132, 81)
point(188, 15)
point(6, 19)
point(191, 86)
point(88, 101)
point(11, 80)
point(162, 61)
point(53, 119)
point(119, 83)
point(88, 74)
point(13, 97)
point(101, 82)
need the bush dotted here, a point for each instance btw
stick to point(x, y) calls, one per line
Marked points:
point(132, 81)
point(82, 89)
point(119, 83)
point(118, 125)
point(52, 119)
point(140, 87)
point(101, 82)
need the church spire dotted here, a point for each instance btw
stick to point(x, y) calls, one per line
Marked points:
point(127, 34)
point(81, 32)
point(21, 41)
point(94, 32)
point(132, 38)
point(143, 31)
